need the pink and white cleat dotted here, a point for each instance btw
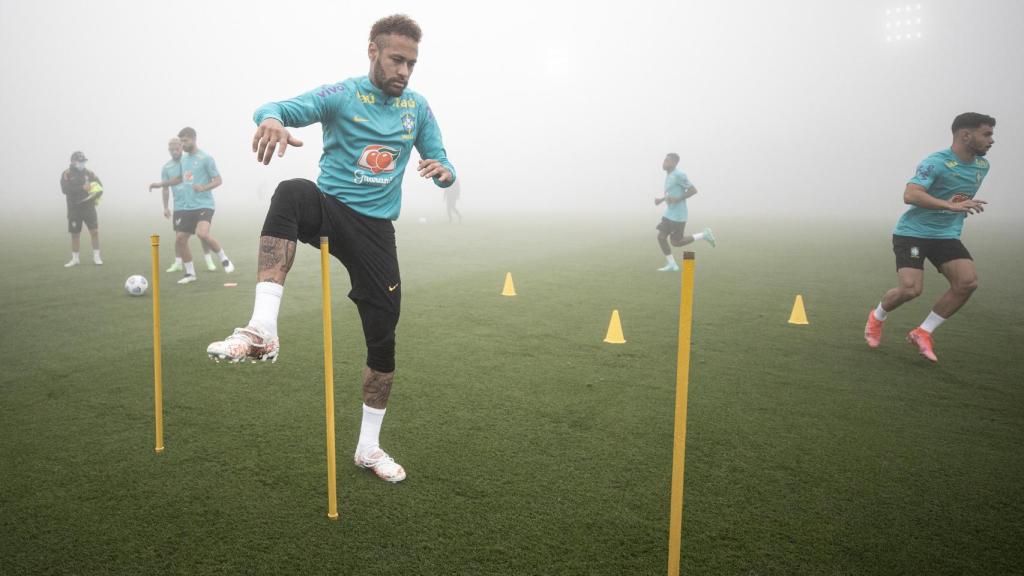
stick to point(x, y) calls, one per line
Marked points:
point(923, 340)
point(873, 330)
point(249, 343)
point(383, 466)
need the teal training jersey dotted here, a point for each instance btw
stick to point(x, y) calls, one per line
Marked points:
point(676, 184)
point(198, 168)
point(180, 191)
point(944, 176)
point(368, 140)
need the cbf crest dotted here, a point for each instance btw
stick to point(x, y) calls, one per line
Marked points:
point(408, 123)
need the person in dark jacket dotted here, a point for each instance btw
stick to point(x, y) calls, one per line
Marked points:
point(81, 189)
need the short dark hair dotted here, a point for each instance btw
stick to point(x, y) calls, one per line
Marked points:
point(395, 24)
point(673, 156)
point(972, 120)
point(187, 132)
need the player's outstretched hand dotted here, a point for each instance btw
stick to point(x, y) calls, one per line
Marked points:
point(434, 169)
point(969, 206)
point(659, 200)
point(272, 134)
point(167, 213)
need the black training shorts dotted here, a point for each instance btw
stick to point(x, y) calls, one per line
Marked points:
point(672, 229)
point(187, 220)
point(911, 252)
point(84, 213)
point(365, 245)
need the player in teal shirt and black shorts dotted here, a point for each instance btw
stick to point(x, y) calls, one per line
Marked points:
point(941, 194)
point(370, 126)
point(673, 224)
point(200, 176)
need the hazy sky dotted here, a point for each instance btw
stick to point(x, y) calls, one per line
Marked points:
point(787, 108)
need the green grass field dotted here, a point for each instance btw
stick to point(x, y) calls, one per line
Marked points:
point(532, 447)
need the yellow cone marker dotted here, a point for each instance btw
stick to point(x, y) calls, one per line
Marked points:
point(614, 335)
point(798, 316)
point(158, 385)
point(510, 288)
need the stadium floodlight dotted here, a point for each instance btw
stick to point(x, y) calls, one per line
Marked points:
point(904, 22)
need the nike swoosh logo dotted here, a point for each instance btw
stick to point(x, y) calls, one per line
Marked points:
point(392, 288)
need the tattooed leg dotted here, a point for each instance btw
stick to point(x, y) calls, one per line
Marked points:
point(275, 259)
point(377, 387)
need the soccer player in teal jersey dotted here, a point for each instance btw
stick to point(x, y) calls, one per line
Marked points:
point(673, 224)
point(171, 183)
point(370, 126)
point(199, 173)
point(941, 194)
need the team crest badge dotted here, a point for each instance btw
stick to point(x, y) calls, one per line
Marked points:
point(408, 123)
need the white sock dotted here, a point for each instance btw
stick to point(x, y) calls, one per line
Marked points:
point(74, 256)
point(96, 253)
point(177, 261)
point(190, 268)
point(369, 431)
point(880, 313)
point(670, 259)
point(268, 303)
point(208, 255)
point(932, 322)
point(222, 255)
point(698, 236)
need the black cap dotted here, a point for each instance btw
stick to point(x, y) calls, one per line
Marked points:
point(79, 157)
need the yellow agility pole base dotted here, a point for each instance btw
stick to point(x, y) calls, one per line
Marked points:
point(325, 275)
point(158, 385)
point(675, 528)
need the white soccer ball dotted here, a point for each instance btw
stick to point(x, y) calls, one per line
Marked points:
point(136, 285)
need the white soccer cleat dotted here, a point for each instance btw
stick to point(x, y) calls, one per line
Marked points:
point(383, 466)
point(709, 237)
point(176, 267)
point(669, 268)
point(71, 263)
point(97, 260)
point(245, 344)
point(228, 266)
point(187, 279)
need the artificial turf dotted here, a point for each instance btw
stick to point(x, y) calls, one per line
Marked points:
point(532, 447)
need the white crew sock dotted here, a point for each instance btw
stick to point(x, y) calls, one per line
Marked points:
point(670, 259)
point(177, 261)
point(369, 431)
point(96, 253)
point(190, 268)
point(698, 236)
point(74, 256)
point(932, 322)
point(222, 255)
point(880, 313)
point(268, 304)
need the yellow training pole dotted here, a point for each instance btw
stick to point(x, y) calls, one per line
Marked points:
point(325, 275)
point(675, 528)
point(158, 385)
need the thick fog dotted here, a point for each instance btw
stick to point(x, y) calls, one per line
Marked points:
point(794, 108)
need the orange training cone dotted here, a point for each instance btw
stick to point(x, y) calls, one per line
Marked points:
point(614, 335)
point(798, 316)
point(510, 288)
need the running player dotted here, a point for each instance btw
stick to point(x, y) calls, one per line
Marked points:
point(941, 195)
point(370, 125)
point(199, 172)
point(80, 186)
point(677, 189)
point(171, 182)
